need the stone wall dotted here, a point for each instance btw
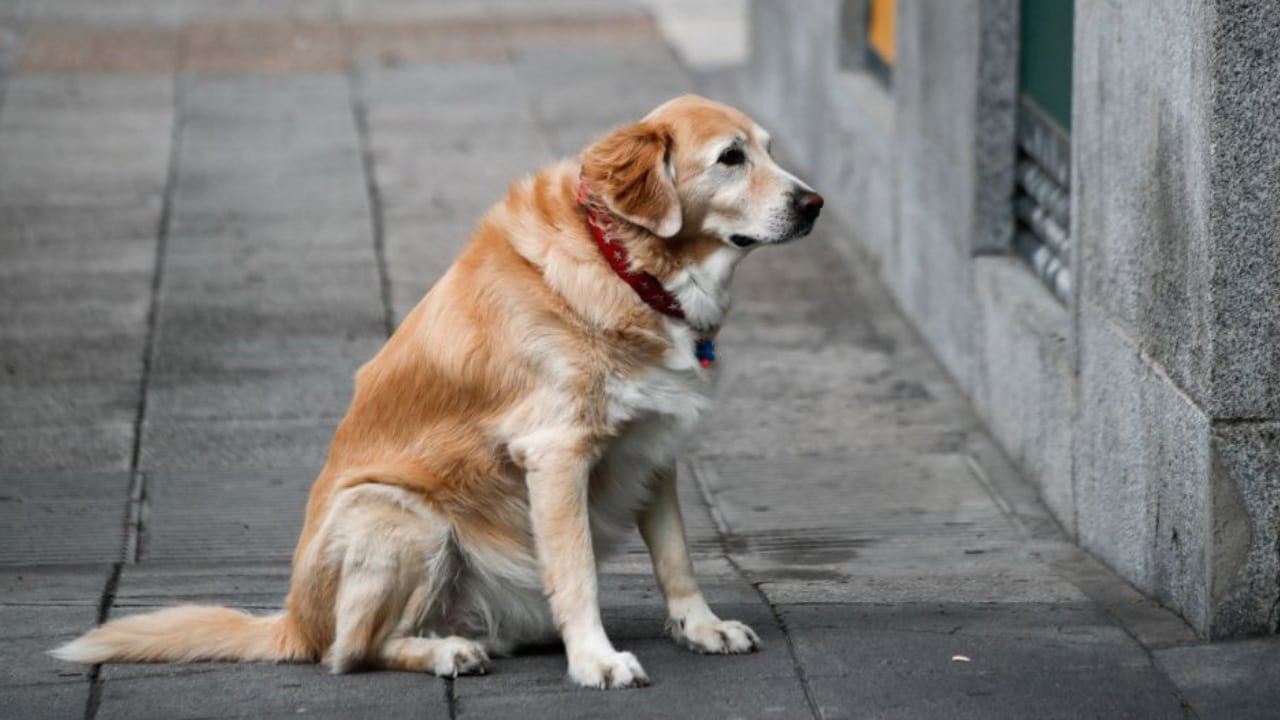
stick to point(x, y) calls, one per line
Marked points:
point(1145, 413)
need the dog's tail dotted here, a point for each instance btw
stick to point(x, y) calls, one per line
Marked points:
point(189, 633)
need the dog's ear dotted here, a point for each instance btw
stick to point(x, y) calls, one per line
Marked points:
point(629, 170)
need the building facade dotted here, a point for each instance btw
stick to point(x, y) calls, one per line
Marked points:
point(1078, 205)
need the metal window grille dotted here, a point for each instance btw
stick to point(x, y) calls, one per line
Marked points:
point(1042, 204)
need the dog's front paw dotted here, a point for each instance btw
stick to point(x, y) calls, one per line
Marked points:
point(723, 637)
point(457, 656)
point(607, 671)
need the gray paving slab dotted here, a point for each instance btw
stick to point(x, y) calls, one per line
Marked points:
point(247, 235)
point(629, 584)
point(419, 250)
point(877, 403)
point(85, 140)
point(652, 76)
point(420, 133)
point(95, 447)
point(295, 394)
point(1113, 693)
point(66, 402)
point(39, 610)
point(62, 518)
point(301, 98)
point(80, 585)
point(1019, 578)
point(231, 515)
point(1024, 660)
point(26, 636)
point(189, 319)
point(997, 637)
point(761, 684)
point(866, 498)
point(58, 244)
point(806, 284)
point(79, 317)
point(271, 197)
point(263, 690)
point(282, 283)
point(774, 697)
point(449, 99)
point(1227, 680)
point(250, 354)
point(213, 444)
point(254, 586)
point(54, 700)
point(107, 285)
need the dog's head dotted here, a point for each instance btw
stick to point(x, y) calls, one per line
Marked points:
point(693, 168)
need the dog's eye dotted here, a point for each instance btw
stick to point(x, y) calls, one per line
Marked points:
point(732, 156)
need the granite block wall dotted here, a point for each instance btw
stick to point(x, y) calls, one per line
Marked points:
point(1146, 411)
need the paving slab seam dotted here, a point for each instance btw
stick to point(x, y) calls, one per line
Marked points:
point(157, 274)
point(137, 481)
point(721, 530)
point(104, 609)
point(373, 192)
point(450, 698)
point(133, 518)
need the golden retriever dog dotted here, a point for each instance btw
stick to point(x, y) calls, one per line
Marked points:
point(521, 421)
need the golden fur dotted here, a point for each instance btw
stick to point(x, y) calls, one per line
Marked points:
point(524, 415)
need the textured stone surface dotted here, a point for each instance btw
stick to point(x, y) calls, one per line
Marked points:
point(1245, 565)
point(757, 685)
point(82, 171)
point(1025, 390)
point(53, 585)
point(995, 126)
point(1245, 137)
point(1137, 194)
point(235, 515)
point(101, 122)
point(1226, 680)
point(199, 445)
point(1029, 660)
point(68, 518)
point(1142, 469)
point(41, 608)
point(1182, 258)
point(257, 586)
point(653, 77)
point(168, 692)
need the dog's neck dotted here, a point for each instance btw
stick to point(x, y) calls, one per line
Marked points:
point(690, 287)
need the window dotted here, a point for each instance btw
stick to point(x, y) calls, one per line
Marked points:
point(880, 36)
point(1042, 203)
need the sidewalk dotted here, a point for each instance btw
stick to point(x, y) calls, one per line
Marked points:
point(212, 213)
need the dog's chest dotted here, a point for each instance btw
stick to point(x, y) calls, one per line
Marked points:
point(656, 414)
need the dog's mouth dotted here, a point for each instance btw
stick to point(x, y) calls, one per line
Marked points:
point(746, 241)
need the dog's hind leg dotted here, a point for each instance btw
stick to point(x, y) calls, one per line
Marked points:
point(395, 572)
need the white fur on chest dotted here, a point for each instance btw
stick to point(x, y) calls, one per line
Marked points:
point(658, 411)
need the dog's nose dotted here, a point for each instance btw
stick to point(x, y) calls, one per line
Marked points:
point(809, 204)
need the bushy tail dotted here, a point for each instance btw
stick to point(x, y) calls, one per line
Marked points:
point(188, 633)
